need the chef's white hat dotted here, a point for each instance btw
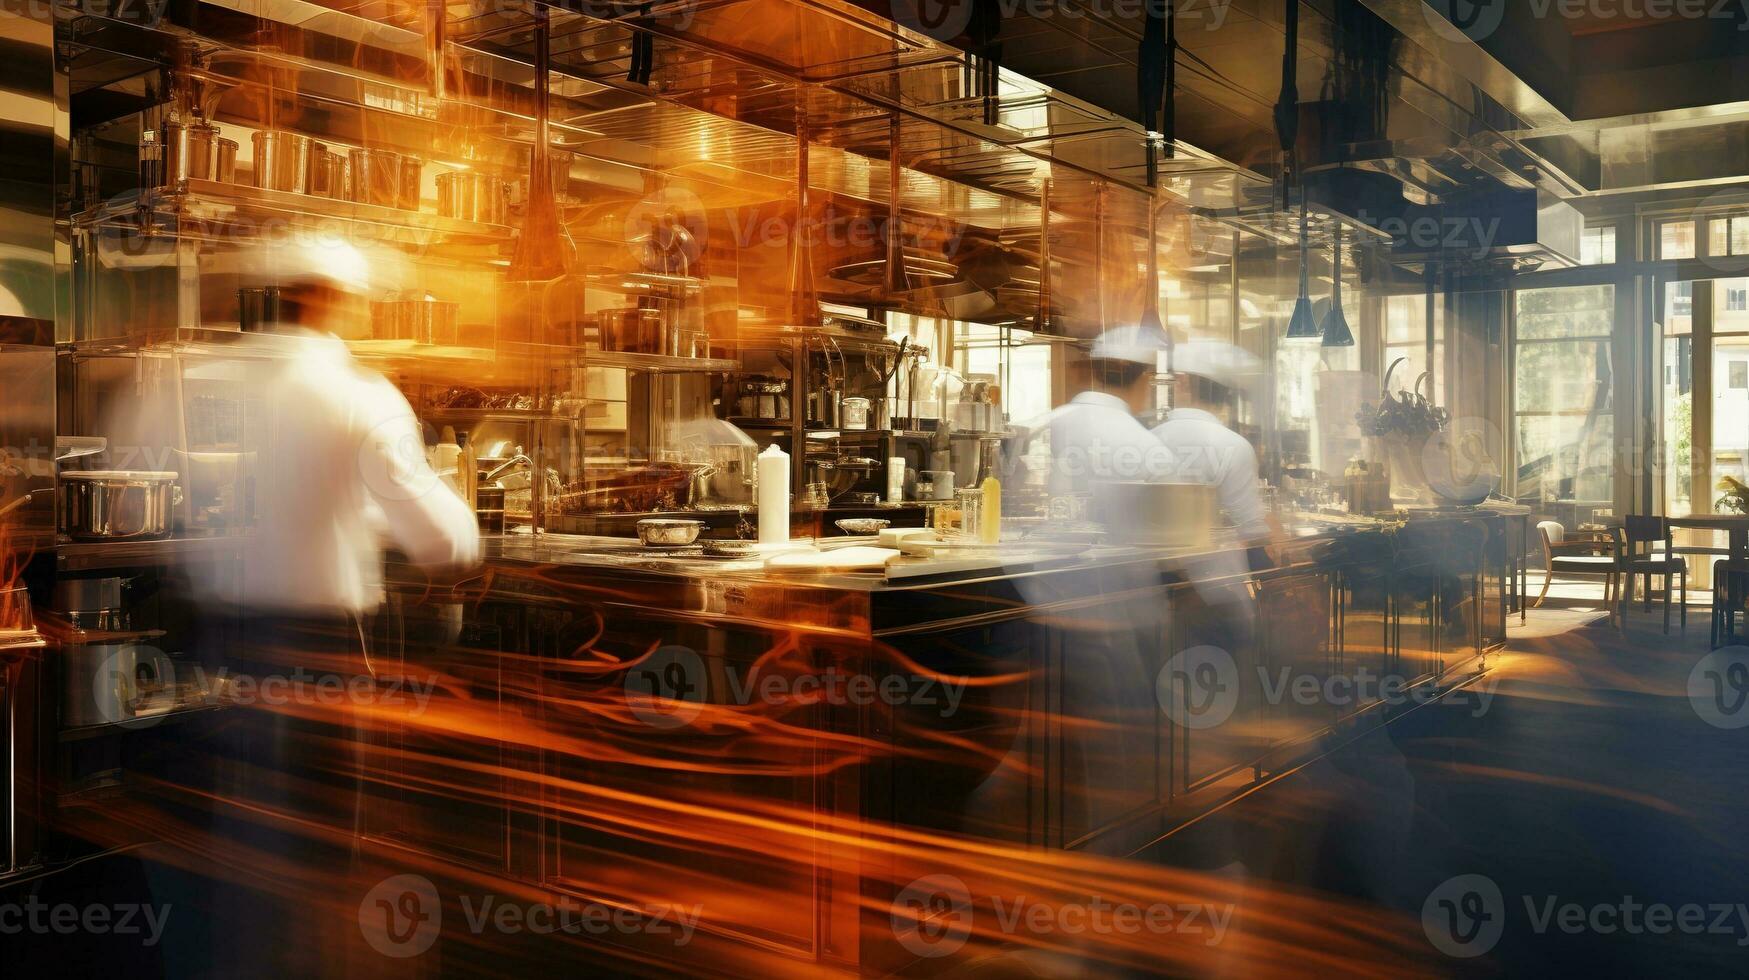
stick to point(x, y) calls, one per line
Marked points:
point(1134, 343)
point(340, 264)
point(1217, 361)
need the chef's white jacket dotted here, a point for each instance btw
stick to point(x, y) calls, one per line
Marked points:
point(1205, 452)
point(338, 467)
point(1095, 439)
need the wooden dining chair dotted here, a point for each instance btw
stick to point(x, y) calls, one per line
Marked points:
point(1648, 549)
point(1588, 555)
point(1730, 599)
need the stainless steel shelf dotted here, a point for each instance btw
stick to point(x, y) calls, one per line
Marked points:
point(209, 209)
point(650, 363)
point(81, 555)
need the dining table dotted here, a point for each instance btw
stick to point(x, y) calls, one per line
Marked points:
point(1737, 525)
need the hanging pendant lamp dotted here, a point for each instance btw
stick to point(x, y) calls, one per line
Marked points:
point(1336, 332)
point(1303, 326)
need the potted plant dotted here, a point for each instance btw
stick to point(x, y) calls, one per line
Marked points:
point(1736, 496)
point(1400, 426)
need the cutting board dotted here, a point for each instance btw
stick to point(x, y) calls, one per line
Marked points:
point(858, 559)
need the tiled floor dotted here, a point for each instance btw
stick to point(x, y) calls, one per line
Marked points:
point(1589, 777)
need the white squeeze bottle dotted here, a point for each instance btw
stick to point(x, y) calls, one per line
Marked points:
point(773, 496)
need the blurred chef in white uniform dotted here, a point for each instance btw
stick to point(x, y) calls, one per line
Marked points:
point(337, 466)
point(1108, 691)
point(335, 457)
point(1203, 450)
point(1096, 436)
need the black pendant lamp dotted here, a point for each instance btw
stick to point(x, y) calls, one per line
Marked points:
point(1336, 332)
point(1303, 325)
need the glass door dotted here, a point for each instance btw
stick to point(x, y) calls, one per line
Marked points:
point(1705, 404)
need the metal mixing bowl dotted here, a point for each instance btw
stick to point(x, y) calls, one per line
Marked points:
point(863, 525)
point(662, 532)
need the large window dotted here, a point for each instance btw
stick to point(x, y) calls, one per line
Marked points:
point(1706, 391)
point(1407, 336)
point(1563, 385)
point(1597, 246)
point(1676, 239)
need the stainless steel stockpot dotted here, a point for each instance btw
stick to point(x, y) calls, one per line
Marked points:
point(116, 505)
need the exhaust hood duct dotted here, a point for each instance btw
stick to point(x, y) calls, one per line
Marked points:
point(1156, 77)
point(1287, 106)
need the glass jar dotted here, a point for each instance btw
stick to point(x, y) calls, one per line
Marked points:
point(970, 502)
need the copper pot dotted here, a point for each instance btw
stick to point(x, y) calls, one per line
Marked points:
point(411, 183)
point(424, 321)
point(472, 196)
point(282, 161)
point(374, 177)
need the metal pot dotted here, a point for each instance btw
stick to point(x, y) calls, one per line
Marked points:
point(631, 330)
point(193, 151)
point(328, 174)
point(823, 407)
point(116, 505)
point(257, 308)
point(198, 159)
point(424, 321)
point(472, 196)
point(934, 485)
point(282, 161)
point(225, 161)
point(412, 182)
point(374, 177)
point(91, 603)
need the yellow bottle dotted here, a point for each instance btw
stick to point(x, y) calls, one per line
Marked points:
point(990, 530)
